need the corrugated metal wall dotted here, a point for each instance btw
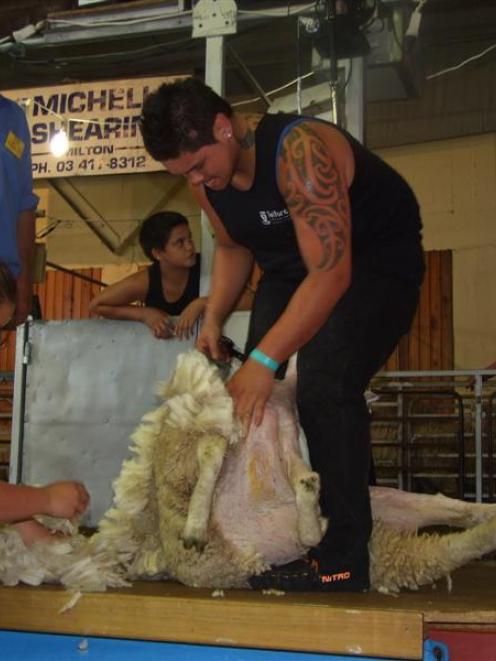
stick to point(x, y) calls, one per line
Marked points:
point(61, 296)
point(429, 345)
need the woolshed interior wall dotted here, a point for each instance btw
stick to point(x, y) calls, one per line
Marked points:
point(454, 181)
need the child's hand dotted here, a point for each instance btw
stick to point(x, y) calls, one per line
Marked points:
point(188, 318)
point(158, 322)
point(66, 500)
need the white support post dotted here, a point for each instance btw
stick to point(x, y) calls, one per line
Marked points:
point(343, 104)
point(214, 63)
point(212, 19)
point(214, 78)
point(354, 93)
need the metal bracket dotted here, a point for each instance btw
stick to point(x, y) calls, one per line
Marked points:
point(26, 358)
point(213, 18)
point(435, 651)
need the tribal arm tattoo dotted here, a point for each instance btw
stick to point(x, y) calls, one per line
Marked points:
point(315, 193)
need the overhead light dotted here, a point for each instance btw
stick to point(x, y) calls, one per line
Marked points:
point(59, 144)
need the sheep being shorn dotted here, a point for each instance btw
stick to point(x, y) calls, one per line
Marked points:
point(208, 508)
point(200, 504)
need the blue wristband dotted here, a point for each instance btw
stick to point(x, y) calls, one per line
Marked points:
point(260, 357)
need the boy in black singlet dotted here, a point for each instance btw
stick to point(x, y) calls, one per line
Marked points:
point(169, 287)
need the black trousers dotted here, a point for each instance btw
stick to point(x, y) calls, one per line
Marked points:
point(334, 369)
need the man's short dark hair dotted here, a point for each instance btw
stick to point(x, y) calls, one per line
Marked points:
point(179, 117)
point(155, 231)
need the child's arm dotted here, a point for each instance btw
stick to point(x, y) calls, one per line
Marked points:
point(19, 502)
point(115, 301)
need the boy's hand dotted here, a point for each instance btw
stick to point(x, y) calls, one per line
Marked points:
point(188, 318)
point(158, 322)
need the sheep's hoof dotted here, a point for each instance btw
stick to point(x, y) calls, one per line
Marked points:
point(310, 484)
point(197, 544)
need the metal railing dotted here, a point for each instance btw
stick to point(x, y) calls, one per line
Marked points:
point(439, 427)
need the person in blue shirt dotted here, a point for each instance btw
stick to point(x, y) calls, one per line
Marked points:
point(17, 204)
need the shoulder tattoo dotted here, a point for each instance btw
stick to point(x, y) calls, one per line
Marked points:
point(314, 190)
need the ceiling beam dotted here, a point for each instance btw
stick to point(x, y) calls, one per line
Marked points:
point(176, 186)
point(87, 213)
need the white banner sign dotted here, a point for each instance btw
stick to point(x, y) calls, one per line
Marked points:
point(101, 121)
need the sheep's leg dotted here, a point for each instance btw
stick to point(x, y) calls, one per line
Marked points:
point(210, 454)
point(411, 511)
point(408, 560)
point(305, 482)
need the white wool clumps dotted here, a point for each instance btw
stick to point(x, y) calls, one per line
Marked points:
point(72, 562)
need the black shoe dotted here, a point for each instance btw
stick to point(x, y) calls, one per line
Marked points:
point(306, 576)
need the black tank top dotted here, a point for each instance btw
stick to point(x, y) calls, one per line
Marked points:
point(385, 220)
point(155, 296)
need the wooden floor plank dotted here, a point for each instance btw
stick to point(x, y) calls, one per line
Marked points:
point(360, 624)
point(166, 611)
